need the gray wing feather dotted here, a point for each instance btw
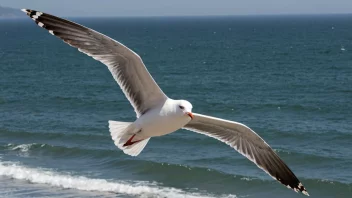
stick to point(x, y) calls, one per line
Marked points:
point(126, 66)
point(249, 144)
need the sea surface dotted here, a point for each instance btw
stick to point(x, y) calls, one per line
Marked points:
point(289, 78)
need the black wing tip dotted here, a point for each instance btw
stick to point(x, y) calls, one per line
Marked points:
point(35, 15)
point(298, 188)
point(25, 10)
point(301, 188)
point(31, 13)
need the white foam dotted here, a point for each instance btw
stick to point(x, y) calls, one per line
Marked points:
point(54, 179)
point(21, 147)
point(247, 178)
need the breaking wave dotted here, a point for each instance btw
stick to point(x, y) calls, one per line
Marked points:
point(66, 181)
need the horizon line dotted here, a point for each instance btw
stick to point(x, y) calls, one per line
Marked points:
point(213, 15)
point(200, 16)
point(189, 16)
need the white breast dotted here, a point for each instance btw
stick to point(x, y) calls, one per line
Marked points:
point(161, 121)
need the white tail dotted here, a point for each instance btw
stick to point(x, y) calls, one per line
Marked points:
point(121, 132)
point(136, 148)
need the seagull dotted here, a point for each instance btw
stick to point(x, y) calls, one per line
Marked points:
point(157, 114)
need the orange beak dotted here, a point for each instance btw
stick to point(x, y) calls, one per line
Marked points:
point(190, 115)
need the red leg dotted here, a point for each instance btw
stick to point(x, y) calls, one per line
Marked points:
point(129, 141)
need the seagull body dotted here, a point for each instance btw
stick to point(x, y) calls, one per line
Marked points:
point(157, 114)
point(158, 121)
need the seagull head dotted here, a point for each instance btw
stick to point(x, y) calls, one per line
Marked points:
point(185, 108)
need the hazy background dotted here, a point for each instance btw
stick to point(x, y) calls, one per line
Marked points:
point(182, 7)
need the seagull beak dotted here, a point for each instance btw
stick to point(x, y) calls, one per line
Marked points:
point(190, 115)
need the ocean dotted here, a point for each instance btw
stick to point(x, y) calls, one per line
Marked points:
point(289, 78)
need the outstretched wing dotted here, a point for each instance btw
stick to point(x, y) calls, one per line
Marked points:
point(249, 144)
point(126, 66)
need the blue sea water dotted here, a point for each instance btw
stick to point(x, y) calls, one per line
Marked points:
point(287, 77)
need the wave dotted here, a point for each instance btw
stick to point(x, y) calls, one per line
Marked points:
point(66, 181)
point(24, 147)
point(154, 171)
point(146, 188)
point(81, 132)
point(59, 150)
point(110, 155)
point(106, 161)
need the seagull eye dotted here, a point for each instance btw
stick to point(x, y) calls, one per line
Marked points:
point(181, 107)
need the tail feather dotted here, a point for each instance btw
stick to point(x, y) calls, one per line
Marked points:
point(121, 132)
point(136, 149)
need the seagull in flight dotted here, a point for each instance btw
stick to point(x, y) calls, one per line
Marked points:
point(157, 114)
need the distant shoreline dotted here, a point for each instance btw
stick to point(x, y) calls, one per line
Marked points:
point(8, 13)
point(12, 17)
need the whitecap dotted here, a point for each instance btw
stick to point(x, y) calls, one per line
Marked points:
point(56, 179)
point(21, 147)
